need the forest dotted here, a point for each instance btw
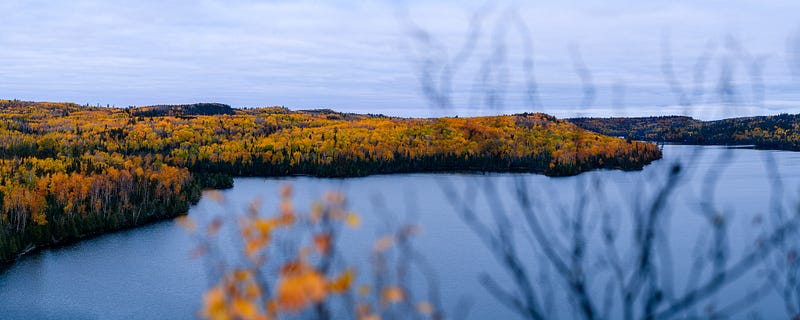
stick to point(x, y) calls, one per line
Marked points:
point(69, 171)
point(781, 132)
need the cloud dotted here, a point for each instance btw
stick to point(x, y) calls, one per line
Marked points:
point(354, 55)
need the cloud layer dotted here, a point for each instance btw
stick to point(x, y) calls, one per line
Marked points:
point(357, 56)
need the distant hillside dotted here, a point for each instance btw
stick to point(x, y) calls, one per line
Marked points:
point(197, 109)
point(335, 115)
point(41, 109)
point(765, 132)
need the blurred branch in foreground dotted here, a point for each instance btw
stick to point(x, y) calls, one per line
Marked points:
point(609, 265)
point(290, 265)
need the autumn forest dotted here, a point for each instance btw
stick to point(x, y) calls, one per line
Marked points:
point(69, 171)
point(778, 132)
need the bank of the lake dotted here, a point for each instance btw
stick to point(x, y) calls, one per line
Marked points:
point(69, 171)
point(147, 273)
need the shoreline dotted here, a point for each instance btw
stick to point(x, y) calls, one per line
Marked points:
point(5, 265)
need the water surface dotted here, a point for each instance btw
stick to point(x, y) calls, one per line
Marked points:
point(147, 273)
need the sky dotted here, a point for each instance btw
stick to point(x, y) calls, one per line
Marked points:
point(375, 56)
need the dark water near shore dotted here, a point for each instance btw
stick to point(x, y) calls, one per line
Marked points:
point(146, 273)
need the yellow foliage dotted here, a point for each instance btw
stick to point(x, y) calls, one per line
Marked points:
point(425, 308)
point(343, 282)
point(187, 223)
point(300, 288)
point(245, 309)
point(353, 220)
point(40, 219)
point(304, 282)
point(214, 195)
point(322, 242)
point(214, 305)
point(384, 243)
point(392, 294)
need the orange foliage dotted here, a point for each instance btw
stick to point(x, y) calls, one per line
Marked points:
point(304, 282)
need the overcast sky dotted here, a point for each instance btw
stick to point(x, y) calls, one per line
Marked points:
point(361, 56)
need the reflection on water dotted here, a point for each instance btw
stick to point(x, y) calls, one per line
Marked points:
point(146, 273)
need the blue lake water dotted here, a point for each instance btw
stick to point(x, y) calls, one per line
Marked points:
point(147, 273)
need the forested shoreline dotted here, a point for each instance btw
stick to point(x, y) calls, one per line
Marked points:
point(779, 132)
point(69, 171)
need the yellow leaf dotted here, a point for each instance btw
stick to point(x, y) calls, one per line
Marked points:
point(214, 195)
point(363, 310)
point(286, 208)
point(252, 247)
point(290, 295)
point(315, 286)
point(300, 288)
point(213, 227)
point(425, 308)
point(384, 243)
point(343, 282)
point(316, 213)
point(272, 308)
point(265, 226)
point(244, 308)
point(286, 191)
point(242, 275)
point(353, 220)
point(370, 317)
point(187, 223)
point(40, 219)
point(253, 290)
point(287, 215)
point(334, 197)
point(322, 242)
point(392, 294)
point(214, 304)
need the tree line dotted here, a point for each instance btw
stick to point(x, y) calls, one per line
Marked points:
point(781, 132)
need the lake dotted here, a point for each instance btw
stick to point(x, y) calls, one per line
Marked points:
point(147, 272)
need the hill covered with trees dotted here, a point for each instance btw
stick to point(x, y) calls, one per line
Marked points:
point(766, 132)
point(70, 171)
point(185, 110)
